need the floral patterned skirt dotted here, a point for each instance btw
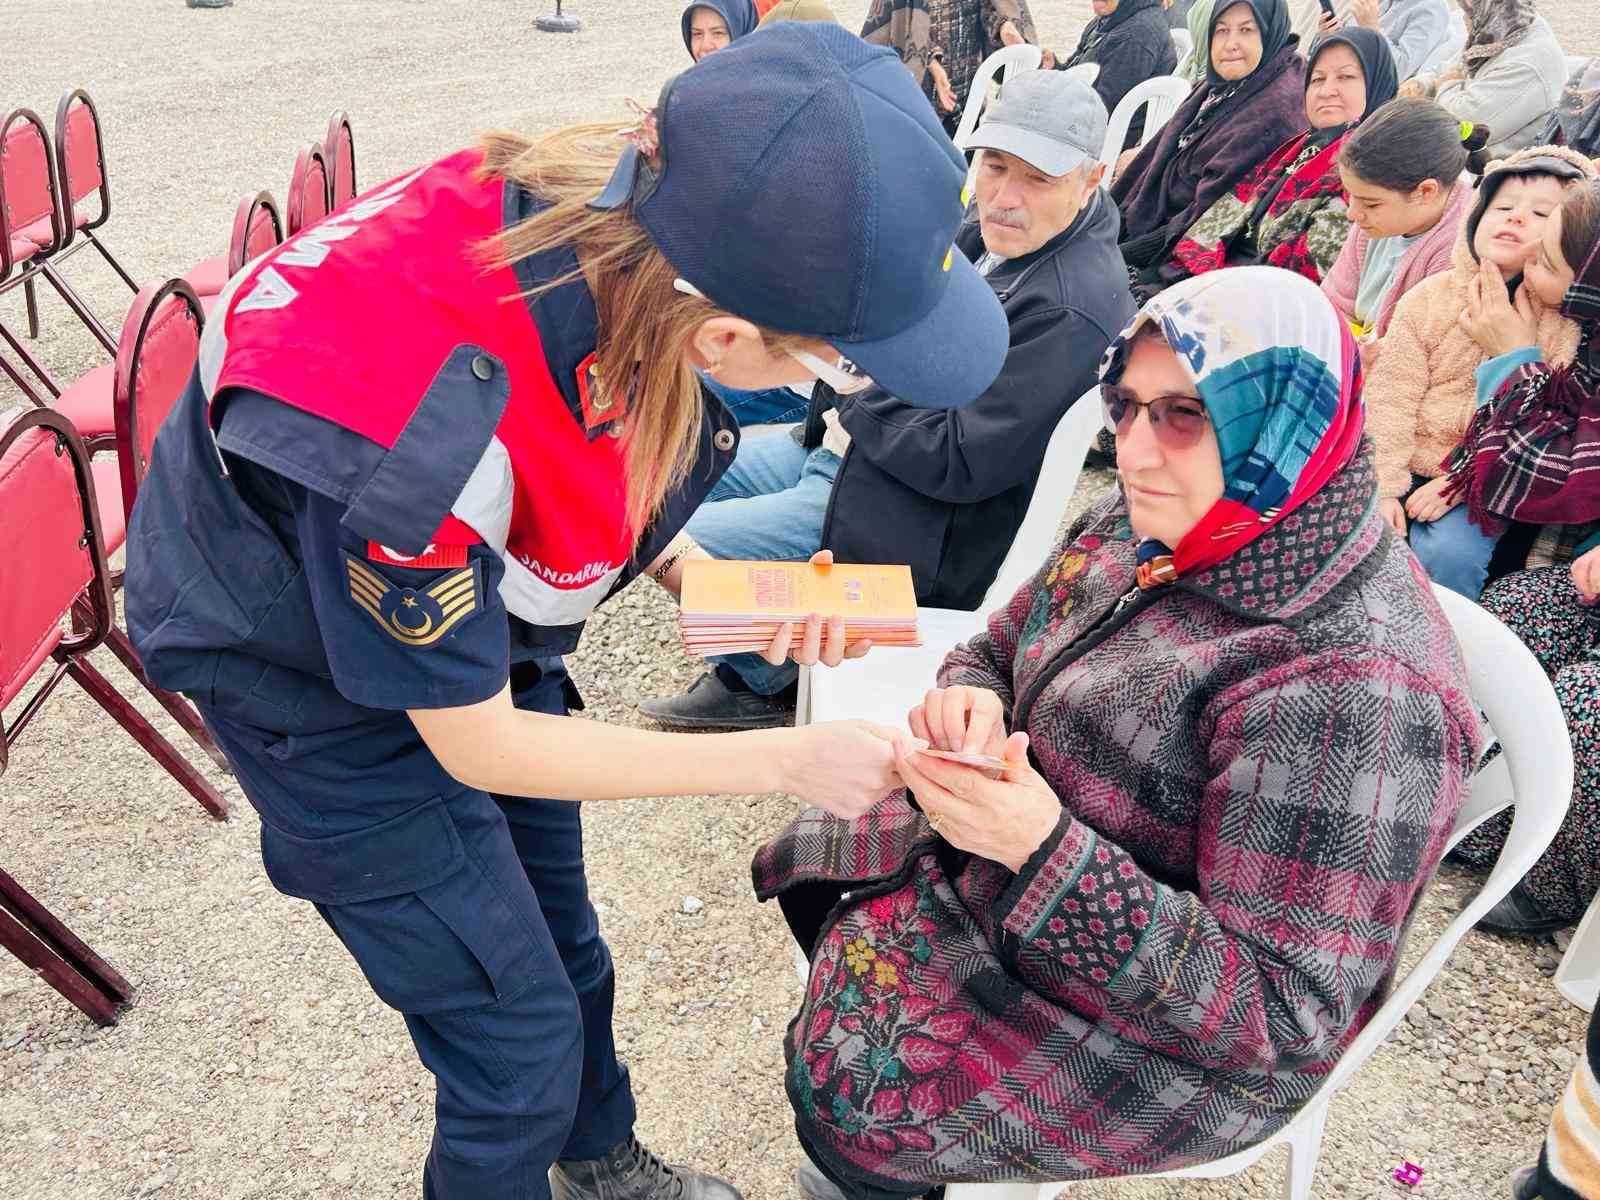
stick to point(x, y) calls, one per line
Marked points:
point(918, 1059)
point(1543, 608)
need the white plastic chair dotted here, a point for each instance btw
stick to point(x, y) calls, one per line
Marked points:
point(1182, 43)
point(1578, 976)
point(1160, 98)
point(887, 683)
point(1534, 774)
point(1010, 58)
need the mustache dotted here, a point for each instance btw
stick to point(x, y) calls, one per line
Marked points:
point(1011, 218)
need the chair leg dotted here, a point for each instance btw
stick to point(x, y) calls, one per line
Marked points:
point(1305, 1146)
point(32, 298)
point(53, 951)
point(179, 709)
point(29, 361)
point(81, 310)
point(115, 265)
point(146, 734)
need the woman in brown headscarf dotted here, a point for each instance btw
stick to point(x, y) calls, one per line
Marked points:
point(1510, 75)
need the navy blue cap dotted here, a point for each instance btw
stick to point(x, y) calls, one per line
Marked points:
point(803, 182)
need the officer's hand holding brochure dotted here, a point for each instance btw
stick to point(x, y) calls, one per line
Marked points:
point(731, 607)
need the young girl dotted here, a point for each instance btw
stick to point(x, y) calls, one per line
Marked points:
point(1529, 479)
point(1401, 170)
point(1422, 392)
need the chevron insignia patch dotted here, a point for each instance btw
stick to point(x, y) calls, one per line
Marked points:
point(415, 616)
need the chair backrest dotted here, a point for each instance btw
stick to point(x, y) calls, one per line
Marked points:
point(1058, 479)
point(1182, 43)
point(27, 191)
point(308, 189)
point(257, 228)
point(156, 353)
point(340, 151)
point(50, 536)
point(1511, 688)
point(1159, 97)
point(80, 163)
point(1007, 58)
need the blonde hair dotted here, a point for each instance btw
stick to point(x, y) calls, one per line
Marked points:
point(646, 326)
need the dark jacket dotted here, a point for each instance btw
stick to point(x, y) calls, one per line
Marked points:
point(1131, 45)
point(1168, 187)
point(945, 491)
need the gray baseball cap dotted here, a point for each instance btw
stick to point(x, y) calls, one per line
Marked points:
point(1047, 119)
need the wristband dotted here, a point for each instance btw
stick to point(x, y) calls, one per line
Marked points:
point(689, 547)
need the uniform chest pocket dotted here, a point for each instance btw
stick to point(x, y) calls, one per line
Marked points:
point(437, 923)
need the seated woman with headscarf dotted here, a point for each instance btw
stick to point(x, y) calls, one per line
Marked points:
point(1235, 731)
point(1576, 121)
point(1510, 76)
point(1252, 100)
point(710, 25)
point(1290, 211)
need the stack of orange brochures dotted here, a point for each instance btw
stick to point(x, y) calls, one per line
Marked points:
point(730, 607)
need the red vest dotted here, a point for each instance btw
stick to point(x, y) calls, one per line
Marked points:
point(380, 318)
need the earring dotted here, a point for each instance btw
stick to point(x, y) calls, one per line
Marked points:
point(713, 368)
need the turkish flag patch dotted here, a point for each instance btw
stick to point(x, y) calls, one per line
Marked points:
point(434, 556)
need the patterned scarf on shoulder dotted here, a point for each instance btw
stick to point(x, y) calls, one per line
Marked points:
point(1532, 455)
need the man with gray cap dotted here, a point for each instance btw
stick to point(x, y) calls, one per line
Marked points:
point(942, 491)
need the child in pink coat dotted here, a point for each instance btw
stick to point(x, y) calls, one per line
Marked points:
point(1402, 171)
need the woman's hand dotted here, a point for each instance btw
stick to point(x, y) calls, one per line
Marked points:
point(1428, 502)
point(1496, 321)
point(823, 641)
point(966, 719)
point(1393, 512)
point(843, 767)
point(1047, 60)
point(1010, 35)
point(1328, 26)
point(1454, 74)
point(1365, 14)
point(1123, 159)
point(1412, 87)
point(942, 90)
point(1586, 575)
point(1004, 820)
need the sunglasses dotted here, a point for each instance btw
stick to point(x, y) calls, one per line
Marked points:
point(842, 375)
point(1177, 421)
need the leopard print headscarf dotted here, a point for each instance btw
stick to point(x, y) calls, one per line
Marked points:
point(1494, 26)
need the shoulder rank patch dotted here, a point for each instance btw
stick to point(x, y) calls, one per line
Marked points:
point(415, 616)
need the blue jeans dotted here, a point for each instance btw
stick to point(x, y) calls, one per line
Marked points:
point(769, 507)
point(1453, 550)
point(774, 406)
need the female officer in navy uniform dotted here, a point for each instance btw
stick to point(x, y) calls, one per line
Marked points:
point(426, 437)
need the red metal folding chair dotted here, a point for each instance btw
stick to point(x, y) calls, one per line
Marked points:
point(309, 197)
point(30, 228)
point(51, 543)
point(160, 343)
point(257, 228)
point(340, 151)
point(85, 193)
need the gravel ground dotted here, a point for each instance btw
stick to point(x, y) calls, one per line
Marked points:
point(256, 1063)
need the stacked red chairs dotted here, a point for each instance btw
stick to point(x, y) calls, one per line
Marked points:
point(52, 543)
point(340, 150)
point(308, 189)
